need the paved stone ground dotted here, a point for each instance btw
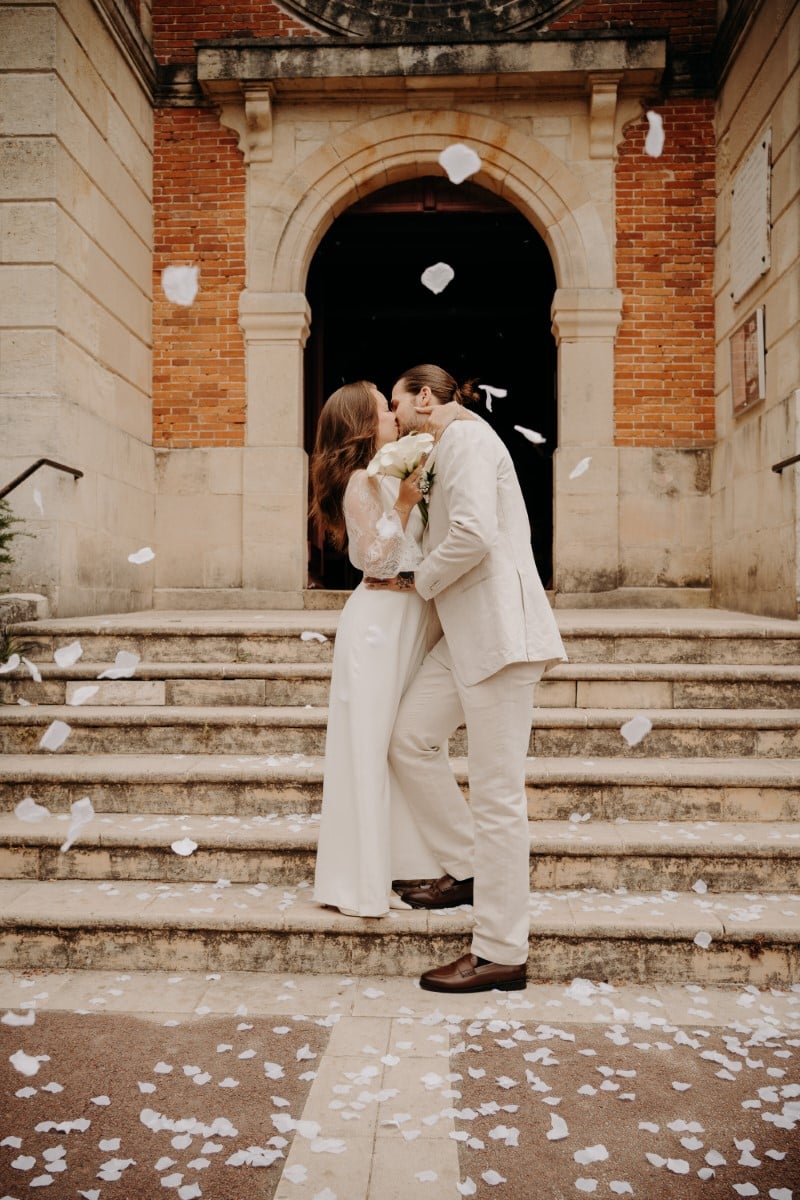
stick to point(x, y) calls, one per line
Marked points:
point(244, 1086)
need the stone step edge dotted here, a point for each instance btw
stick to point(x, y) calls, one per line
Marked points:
point(627, 623)
point(314, 717)
point(35, 905)
point(217, 768)
point(87, 671)
point(548, 837)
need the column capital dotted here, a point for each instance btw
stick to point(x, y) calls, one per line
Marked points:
point(247, 110)
point(274, 317)
point(579, 313)
point(602, 90)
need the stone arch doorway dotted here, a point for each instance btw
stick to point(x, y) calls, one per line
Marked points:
point(371, 317)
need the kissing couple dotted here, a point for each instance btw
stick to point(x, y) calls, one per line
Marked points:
point(449, 625)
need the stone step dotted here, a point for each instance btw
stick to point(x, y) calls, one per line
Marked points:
point(571, 685)
point(633, 938)
point(729, 789)
point(762, 733)
point(620, 636)
point(758, 856)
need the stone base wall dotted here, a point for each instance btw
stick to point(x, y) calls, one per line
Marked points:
point(75, 266)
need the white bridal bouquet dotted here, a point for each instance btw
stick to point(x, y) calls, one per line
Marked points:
point(402, 457)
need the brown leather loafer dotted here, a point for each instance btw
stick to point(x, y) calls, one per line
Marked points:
point(466, 975)
point(442, 893)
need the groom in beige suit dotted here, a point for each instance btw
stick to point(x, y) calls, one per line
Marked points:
point(499, 634)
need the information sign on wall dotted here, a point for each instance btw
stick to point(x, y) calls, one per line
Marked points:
point(750, 218)
point(748, 373)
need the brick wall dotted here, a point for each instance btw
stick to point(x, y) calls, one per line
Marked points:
point(198, 355)
point(664, 388)
point(691, 23)
point(177, 25)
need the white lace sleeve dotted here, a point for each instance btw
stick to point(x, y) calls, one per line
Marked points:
point(377, 543)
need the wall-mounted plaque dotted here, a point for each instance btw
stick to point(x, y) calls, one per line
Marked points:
point(748, 368)
point(750, 218)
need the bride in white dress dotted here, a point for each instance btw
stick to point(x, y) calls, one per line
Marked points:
point(367, 835)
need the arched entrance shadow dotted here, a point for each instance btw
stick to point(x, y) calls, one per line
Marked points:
point(373, 318)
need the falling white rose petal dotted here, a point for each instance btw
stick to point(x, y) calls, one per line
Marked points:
point(10, 664)
point(29, 810)
point(703, 940)
point(27, 1064)
point(492, 393)
point(81, 813)
point(184, 847)
point(459, 161)
point(37, 500)
point(180, 284)
point(437, 277)
point(82, 694)
point(124, 666)
point(581, 468)
point(310, 635)
point(654, 142)
point(531, 435)
point(55, 735)
point(637, 728)
point(67, 656)
point(145, 555)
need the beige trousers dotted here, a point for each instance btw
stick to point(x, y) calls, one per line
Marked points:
point(486, 838)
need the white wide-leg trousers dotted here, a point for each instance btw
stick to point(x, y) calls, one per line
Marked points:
point(486, 838)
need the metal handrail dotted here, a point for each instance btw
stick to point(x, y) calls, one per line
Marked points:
point(40, 462)
point(787, 462)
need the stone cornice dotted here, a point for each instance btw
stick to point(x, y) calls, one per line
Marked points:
point(120, 23)
point(559, 64)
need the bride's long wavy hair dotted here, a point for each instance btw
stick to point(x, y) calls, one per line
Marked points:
point(347, 438)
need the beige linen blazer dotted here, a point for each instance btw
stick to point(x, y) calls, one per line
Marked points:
point(478, 566)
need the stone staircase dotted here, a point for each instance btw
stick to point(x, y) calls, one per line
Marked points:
point(218, 738)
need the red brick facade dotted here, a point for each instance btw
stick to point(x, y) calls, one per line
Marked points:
point(664, 369)
point(179, 24)
point(198, 355)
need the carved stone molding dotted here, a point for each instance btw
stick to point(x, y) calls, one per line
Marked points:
point(423, 19)
point(249, 115)
point(579, 313)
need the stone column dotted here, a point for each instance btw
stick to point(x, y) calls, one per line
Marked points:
point(275, 468)
point(586, 509)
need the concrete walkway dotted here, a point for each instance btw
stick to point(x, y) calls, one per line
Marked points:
point(370, 1089)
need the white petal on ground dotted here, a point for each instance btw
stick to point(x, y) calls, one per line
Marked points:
point(637, 728)
point(558, 1128)
point(124, 666)
point(715, 1159)
point(681, 1087)
point(590, 1154)
point(24, 1162)
point(678, 1166)
point(67, 656)
point(10, 664)
point(493, 1178)
point(189, 1191)
point(468, 1188)
point(82, 694)
point(459, 161)
point(654, 142)
point(311, 635)
point(700, 886)
point(492, 393)
point(581, 468)
point(37, 500)
point(145, 555)
point(184, 847)
point(703, 939)
point(531, 435)
point(325, 1194)
point(55, 735)
point(101, 1101)
point(586, 1185)
point(649, 1126)
point(180, 284)
point(27, 1064)
point(437, 277)
point(780, 1194)
point(29, 810)
point(372, 993)
point(746, 1189)
point(425, 1176)
point(81, 813)
point(12, 1018)
point(621, 1187)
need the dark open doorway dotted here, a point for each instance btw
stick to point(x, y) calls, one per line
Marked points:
point(372, 318)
